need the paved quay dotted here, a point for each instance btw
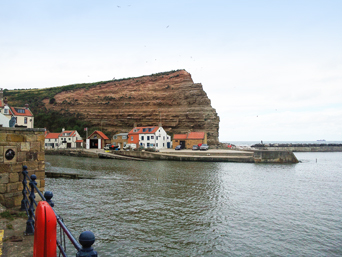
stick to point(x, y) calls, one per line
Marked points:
point(13, 242)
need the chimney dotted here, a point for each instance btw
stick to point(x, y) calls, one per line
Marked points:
point(26, 106)
point(134, 125)
point(160, 124)
point(63, 129)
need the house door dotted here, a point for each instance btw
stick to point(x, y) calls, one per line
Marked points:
point(168, 144)
point(182, 143)
point(68, 145)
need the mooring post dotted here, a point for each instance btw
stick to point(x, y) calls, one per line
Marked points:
point(24, 192)
point(48, 195)
point(86, 239)
point(30, 221)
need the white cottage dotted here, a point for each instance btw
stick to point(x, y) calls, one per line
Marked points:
point(150, 137)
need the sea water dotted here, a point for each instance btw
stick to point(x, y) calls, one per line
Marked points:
point(165, 208)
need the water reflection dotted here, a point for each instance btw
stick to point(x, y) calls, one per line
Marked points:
point(197, 209)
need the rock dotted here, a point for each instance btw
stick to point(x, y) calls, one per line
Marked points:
point(171, 98)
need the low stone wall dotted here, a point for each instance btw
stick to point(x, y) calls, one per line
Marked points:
point(268, 156)
point(173, 157)
point(27, 148)
point(72, 152)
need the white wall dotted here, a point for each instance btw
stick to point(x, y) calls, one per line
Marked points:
point(4, 121)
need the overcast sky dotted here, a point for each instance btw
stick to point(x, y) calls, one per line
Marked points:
point(272, 69)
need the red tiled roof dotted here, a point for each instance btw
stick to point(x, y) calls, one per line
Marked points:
point(52, 136)
point(100, 133)
point(72, 133)
point(27, 111)
point(179, 136)
point(196, 135)
point(140, 130)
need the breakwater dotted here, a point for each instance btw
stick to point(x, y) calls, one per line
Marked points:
point(300, 147)
point(213, 155)
point(259, 156)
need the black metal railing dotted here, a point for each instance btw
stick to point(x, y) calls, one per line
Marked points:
point(86, 239)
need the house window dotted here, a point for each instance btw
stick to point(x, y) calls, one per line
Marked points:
point(45, 144)
point(5, 111)
point(144, 130)
point(164, 138)
point(135, 130)
point(152, 137)
point(20, 110)
point(156, 144)
point(25, 120)
point(49, 140)
point(148, 137)
point(142, 137)
point(115, 137)
point(16, 120)
point(156, 138)
point(55, 140)
point(131, 138)
point(148, 144)
point(124, 137)
point(163, 144)
point(69, 138)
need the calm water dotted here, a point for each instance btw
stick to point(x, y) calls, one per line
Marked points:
point(204, 209)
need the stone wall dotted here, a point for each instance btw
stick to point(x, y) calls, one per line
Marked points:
point(268, 156)
point(28, 148)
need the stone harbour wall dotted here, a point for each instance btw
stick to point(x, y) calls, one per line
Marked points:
point(18, 147)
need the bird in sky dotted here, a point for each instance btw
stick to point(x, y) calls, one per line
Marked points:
point(167, 26)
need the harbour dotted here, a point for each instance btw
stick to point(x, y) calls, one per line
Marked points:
point(165, 208)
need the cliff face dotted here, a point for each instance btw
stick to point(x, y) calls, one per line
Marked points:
point(171, 98)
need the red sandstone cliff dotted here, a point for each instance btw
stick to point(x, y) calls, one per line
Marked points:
point(171, 98)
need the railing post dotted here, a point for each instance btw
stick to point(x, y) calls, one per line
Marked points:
point(86, 239)
point(24, 192)
point(30, 221)
point(48, 195)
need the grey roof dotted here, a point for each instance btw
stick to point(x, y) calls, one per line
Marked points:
point(121, 134)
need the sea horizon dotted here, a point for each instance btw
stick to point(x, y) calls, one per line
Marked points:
point(249, 143)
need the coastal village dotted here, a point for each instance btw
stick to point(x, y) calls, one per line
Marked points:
point(147, 137)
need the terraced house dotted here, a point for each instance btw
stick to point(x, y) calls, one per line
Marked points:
point(64, 140)
point(149, 137)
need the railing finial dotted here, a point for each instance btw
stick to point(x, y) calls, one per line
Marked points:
point(87, 239)
point(48, 195)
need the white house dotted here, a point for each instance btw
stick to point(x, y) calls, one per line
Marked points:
point(22, 115)
point(66, 139)
point(51, 140)
point(150, 137)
